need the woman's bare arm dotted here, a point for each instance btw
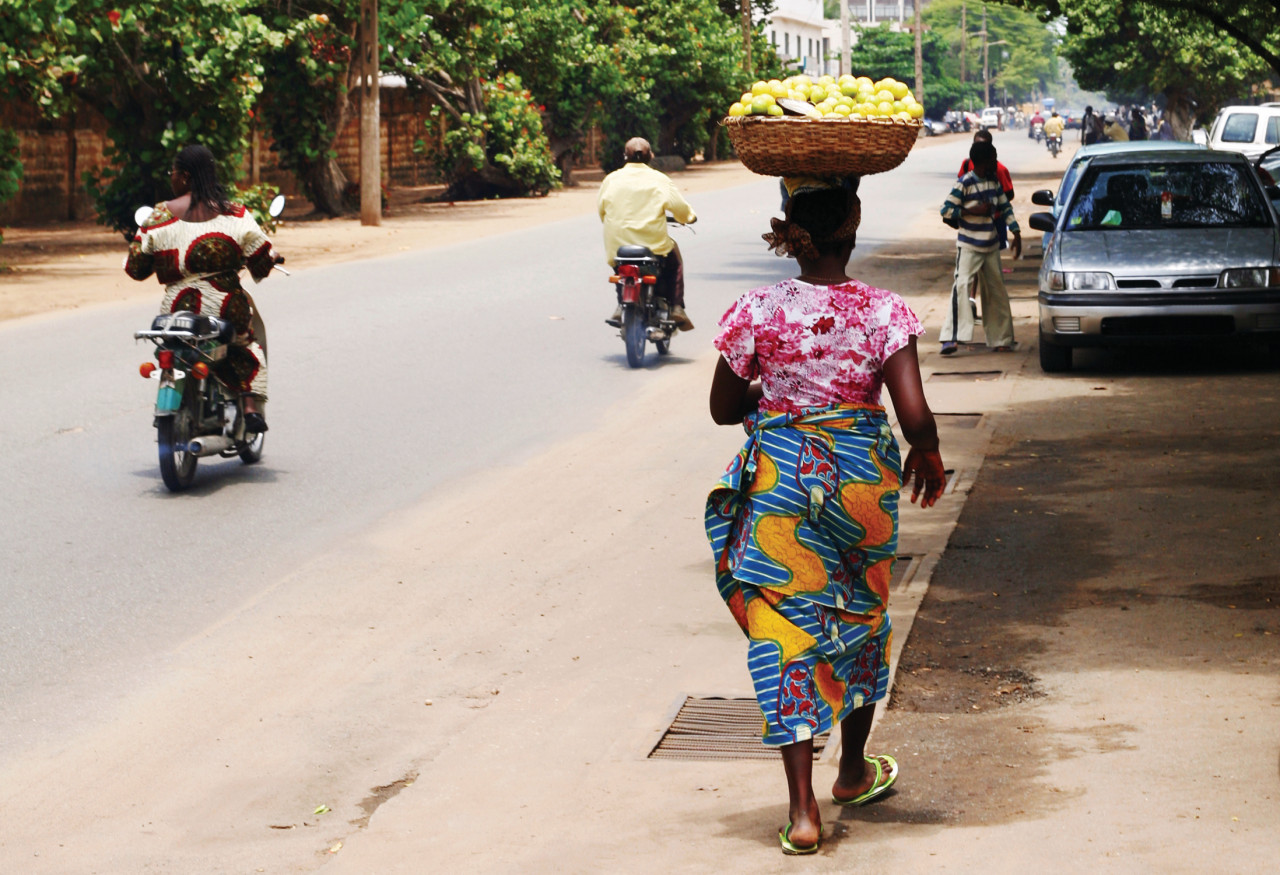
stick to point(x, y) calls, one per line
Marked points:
point(902, 378)
point(732, 397)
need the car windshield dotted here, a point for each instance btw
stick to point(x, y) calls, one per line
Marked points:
point(1173, 195)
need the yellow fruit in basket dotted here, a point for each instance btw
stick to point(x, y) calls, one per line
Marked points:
point(849, 89)
point(857, 117)
point(775, 110)
point(738, 109)
point(776, 88)
point(802, 80)
point(841, 109)
point(746, 97)
point(827, 80)
point(817, 94)
point(899, 89)
point(899, 106)
point(884, 107)
point(916, 110)
point(884, 95)
point(759, 87)
point(864, 83)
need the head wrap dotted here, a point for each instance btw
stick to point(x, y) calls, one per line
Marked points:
point(791, 239)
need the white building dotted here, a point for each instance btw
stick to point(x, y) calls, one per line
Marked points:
point(801, 35)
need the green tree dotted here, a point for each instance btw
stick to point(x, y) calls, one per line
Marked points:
point(1023, 62)
point(308, 102)
point(163, 75)
point(10, 167)
point(1135, 51)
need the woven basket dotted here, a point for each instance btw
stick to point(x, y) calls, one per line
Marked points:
point(793, 146)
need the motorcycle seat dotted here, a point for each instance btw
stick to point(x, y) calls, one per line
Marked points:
point(630, 252)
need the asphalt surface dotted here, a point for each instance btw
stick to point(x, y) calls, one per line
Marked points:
point(389, 379)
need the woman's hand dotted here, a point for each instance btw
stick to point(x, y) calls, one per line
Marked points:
point(926, 467)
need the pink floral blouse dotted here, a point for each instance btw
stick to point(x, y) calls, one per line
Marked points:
point(813, 346)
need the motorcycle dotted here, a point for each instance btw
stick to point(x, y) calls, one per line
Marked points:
point(646, 315)
point(196, 414)
point(1037, 131)
point(1054, 142)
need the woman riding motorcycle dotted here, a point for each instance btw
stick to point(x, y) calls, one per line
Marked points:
point(196, 245)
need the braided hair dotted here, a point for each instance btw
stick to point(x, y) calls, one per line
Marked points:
point(197, 163)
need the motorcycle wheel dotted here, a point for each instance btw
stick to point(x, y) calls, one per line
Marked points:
point(177, 466)
point(251, 450)
point(634, 335)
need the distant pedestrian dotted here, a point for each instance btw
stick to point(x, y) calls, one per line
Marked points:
point(1137, 126)
point(973, 205)
point(1165, 131)
point(1090, 127)
point(1114, 131)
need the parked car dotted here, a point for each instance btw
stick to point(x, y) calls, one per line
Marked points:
point(1250, 130)
point(1072, 119)
point(1047, 198)
point(933, 127)
point(1159, 244)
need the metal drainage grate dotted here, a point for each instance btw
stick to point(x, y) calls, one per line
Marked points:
point(719, 729)
point(965, 376)
point(959, 420)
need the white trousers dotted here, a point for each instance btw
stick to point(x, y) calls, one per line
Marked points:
point(997, 320)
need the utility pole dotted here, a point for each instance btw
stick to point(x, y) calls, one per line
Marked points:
point(964, 44)
point(370, 122)
point(919, 54)
point(986, 75)
point(846, 53)
point(746, 35)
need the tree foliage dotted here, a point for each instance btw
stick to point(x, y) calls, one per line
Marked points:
point(162, 74)
point(880, 51)
point(1172, 50)
point(1022, 54)
point(10, 167)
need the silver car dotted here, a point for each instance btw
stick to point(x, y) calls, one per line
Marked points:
point(1159, 245)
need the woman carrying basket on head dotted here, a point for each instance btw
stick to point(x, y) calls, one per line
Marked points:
point(804, 522)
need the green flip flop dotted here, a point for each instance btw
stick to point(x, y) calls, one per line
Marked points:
point(791, 848)
point(884, 780)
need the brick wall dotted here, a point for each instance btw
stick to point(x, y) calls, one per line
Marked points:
point(55, 153)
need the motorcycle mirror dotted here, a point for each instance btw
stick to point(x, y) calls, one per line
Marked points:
point(141, 214)
point(277, 206)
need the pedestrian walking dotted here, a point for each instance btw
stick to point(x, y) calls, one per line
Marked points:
point(804, 522)
point(972, 208)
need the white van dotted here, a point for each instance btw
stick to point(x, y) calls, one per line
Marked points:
point(993, 117)
point(1250, 130)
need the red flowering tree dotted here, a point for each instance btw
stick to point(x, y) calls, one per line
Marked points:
point(163, 74)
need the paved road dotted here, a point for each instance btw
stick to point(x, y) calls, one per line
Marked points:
point(390, 379)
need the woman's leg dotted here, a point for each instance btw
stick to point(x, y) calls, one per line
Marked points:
point(856, 774)
point(806, 819)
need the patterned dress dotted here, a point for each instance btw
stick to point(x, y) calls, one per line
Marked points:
point(804, 522)
point(199, 264)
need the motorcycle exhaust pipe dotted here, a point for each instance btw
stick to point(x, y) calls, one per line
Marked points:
point(209, 445)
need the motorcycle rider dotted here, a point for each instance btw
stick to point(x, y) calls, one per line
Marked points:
point(195, 244)
point(1036, 119)
point(633, 204)
point(1054, 127)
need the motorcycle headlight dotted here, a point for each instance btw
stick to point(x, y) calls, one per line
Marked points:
point(1090, 281)
point(1250, 278)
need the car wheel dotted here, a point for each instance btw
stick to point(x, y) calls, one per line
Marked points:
point(1054, 358)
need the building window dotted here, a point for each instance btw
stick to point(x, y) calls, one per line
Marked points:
point(786, 43)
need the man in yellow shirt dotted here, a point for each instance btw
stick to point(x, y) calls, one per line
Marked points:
point(633, 204)
point(1054, 126)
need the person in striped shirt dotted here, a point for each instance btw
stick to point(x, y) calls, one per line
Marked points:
point(976, 202)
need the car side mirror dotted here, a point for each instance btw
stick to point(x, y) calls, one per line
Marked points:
point(1042, 222)
point(1042, 198)
point(1273, 192)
